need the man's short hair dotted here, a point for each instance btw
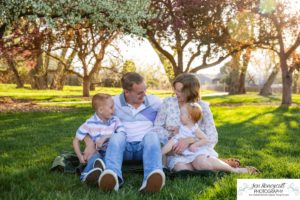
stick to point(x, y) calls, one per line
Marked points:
point(131, 78)
point(99, 100)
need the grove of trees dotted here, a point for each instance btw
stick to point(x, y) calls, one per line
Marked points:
point(187, 35)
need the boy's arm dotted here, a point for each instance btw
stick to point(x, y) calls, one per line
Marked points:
point(76, 146)
point(90, 147)
point(82, 134)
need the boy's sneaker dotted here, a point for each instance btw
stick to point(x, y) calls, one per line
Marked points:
point(98, 163)
point(108, 181)
point(91, 178)
point(155, 182)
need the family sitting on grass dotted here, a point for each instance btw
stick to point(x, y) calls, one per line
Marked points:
point(133, 126)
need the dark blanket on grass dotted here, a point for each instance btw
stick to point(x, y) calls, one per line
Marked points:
point(68, 162)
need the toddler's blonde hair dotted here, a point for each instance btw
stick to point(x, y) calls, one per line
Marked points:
point(195, 111)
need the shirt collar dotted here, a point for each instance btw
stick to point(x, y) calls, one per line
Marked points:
point(96, 118)
point(124, 103)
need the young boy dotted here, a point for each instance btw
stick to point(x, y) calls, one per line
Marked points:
point(99, 128)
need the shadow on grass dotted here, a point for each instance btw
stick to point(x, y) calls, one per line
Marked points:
point(267, 139)
point(30, 142)
point(241, 99)
point(50, 98)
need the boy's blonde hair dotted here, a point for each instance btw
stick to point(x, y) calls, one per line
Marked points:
point(99, 100)
point(195, 111)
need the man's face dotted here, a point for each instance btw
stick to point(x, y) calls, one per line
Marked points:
point(136, 95)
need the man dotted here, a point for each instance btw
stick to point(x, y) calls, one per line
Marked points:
point(137, 111)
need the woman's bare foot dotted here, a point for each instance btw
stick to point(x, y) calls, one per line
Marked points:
point(247, 170)
point(235, 163)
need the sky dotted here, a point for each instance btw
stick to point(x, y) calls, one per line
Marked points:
point(142, 53)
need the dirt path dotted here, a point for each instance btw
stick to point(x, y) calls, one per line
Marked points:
point(8, 104)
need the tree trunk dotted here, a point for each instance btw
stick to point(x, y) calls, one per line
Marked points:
point(242, 88)
point(166, 64)
point(58, 73)
point(39, 74)
point(86, 86)
point(58, 79)
point(64, 73)
point(92, 87)
point(246, 59)
point(233, 86)
point(95, 79)
point(61, 80)
point(296, 88)
point(287, 79)
point(266, 90)
point(12, 65)
point(168, 68)
point(179, 69)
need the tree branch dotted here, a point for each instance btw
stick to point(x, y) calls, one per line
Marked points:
point(161, 50)
point(207, 53)
point(294, 46)
point(196, 54)
point(204, 65)
point(73, 72)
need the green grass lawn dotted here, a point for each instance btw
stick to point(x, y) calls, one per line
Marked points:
point(249, 98)
point(267, 138)
point(73, 94)
point(69, 93)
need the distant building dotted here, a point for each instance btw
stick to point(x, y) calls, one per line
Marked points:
point(211, 82)
point(209, 79)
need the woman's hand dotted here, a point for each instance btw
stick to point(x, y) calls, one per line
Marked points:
point(180, 146)
point(173, 129)
point(193, 147)
point(183, 144)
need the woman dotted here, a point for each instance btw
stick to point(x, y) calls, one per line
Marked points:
point(187, 87)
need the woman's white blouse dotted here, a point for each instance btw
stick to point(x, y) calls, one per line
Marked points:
point(169, 115)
